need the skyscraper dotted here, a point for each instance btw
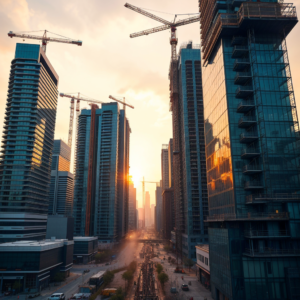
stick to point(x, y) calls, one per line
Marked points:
point(98, 208)
point(252, 142)
point(61, 186)
point(158, 207)
point(132, 206)
point(152, 214)
point(190, 186)
point(170, 162)
point(165, 166)
point(147, 209)
point(27, 145)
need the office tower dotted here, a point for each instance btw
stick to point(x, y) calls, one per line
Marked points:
point(165, 166)
point(137, 219)
point(252, 142)
point(190, 188)
point(152, 214)
point(170, 162)
point(61, 185)
point(147, 209)
point(141, 218)
point(132, 206)
point(158, 207)
point(27, 143)
point(98, 208)
point(168, 219)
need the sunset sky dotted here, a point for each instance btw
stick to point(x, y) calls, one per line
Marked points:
point(109, 62)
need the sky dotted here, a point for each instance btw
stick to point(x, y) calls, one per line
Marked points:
point(111, 63)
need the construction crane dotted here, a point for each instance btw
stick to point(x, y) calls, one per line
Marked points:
point(144, 202)
point(122, 102)
point(78, 99)
point(167, 25)
point(45, 40)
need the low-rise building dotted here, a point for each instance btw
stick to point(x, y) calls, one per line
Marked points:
point(32, 264)
point(60, 227)
point(203, 270)
point(85, 248)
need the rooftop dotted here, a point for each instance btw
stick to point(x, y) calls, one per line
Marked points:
point(84, 238)
point(203, 247)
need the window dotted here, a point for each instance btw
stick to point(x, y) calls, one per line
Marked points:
point(206, 261)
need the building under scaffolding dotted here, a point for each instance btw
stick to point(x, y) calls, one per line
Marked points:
point(252, 149)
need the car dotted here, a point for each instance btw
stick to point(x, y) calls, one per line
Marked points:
point(108, 263)
point(185, 287)
point(173, 290)
point(57, 296)
point(7, 293)
point(86, 271)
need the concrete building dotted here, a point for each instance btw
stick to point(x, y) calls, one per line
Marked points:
point(141, 218)
point(62, 185)
point(165, 166)
point(252, 157)
point(152, 214)
point(170, 162)
point(203, 272)
point(147, 210)
point(158, 208)
point(190, 188)
point(132, 207)
point(27, 143)
point(33, 264)
point(60, 227)
point(168, 219)
point(85, 249)
point(102, 174)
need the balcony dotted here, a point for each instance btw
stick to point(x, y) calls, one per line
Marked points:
point(249, 153)
point(253, 185)
point(249, 217)
point(247, 121)
point(242, 77)
point(237, 3)
point(244, 91)
point(245, 106)
point(238, 40)
point(249, 169)
point(240, 64)
point(266, 198)
point(268, 252)
point(239, 51)
point(248, 137)
point(255, 234)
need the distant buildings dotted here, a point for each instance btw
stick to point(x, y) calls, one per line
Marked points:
point(27, 145)
point(152, 214)
point(132, 217)
point(190, 186)
point(61, 186)
point(170, 163)
point(147, 209)
point(141, 218)
point(102, 180)
point(252, 150)
point(158, 208)
point(165, 166)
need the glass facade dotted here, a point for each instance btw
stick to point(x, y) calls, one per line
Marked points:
point(192, 153)
point(27, 143)
point(108, 206)
point(252, 157)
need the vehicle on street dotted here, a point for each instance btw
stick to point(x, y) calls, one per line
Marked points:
point(80, 296)
point(7, 293)
point(173, 290)
point(178, 270)
point(34, 295)
point(108, 263)
point(185, 287)
point(97, 279)
point(57, 296)
point(109, 292)
point(86, 271)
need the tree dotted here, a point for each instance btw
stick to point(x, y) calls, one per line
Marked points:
point(108, 277)
point(59, 277)
point(127, 276)
point(163, 278)
point(159, 268)
point(119, 295)
point(132, 266)
point(99, 257)
point(188, 262)
point(17, 285)
point(167, 248)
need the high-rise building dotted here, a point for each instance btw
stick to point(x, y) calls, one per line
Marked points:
point(61, 186)
point(152, 214)
point(132, 206)
point(98, 208)
point(170, 162)
point(141, 218)
point(165, 166)
point(158, 207)
point(147, 210)
point(190, 187)
point(168, 219)
point(27, 143)
point(252, 149)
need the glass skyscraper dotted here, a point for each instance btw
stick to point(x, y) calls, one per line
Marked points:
point(62, 181)
point(27, 145)
point(252, 149)
point(191, 205)
point(99, 209)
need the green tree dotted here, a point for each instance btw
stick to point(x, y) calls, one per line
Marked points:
point(159, 268)
point(99, 257)
point(163, 278)
point(167, 248)
point(188, 262)
point(17, 285)
point(127, 276)
point(119, 295)
point(59, 277)
point(132, 266)
point(108, 277)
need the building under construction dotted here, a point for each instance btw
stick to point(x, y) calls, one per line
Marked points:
point(101, 178)
point(190, 190)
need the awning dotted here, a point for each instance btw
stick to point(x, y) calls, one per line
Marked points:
point(206, 271)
